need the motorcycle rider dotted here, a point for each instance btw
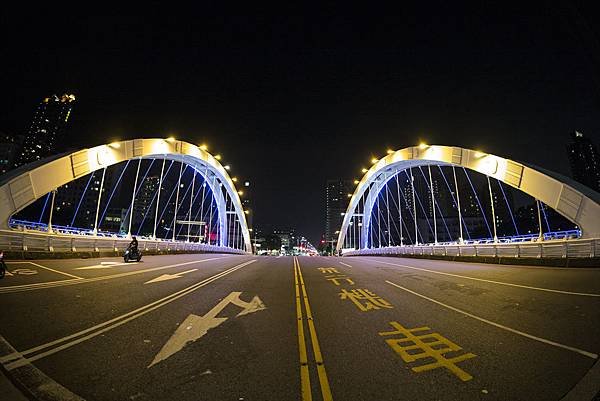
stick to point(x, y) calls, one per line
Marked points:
point(133, 245)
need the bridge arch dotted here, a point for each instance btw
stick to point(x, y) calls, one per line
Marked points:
point(572, 200)
point(22, 187)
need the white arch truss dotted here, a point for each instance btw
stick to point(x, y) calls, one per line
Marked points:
point(577, 204)
point(38, 179)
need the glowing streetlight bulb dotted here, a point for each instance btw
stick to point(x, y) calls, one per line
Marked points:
point(170, 139)
point(374, 160)
point(234, 179)
point(227, 167)
point(390, 151)
point(203, 147)
point(364, 170)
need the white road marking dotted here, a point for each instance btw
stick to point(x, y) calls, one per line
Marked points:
point(46, 268)
point(585, 294)
point(194, 326)
point(17, 359)
point(61, 283)
point(345, 264)
point(105, 265)
point(500, 326)
point(25, 272)
point(166, 277)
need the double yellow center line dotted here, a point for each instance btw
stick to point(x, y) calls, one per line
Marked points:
point(304, 371)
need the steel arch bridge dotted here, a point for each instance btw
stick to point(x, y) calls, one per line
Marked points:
point(24, 186)
point(576, 203)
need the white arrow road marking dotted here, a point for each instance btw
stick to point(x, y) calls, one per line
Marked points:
point(194, 326)
point(166, 277)
point(105, 265)
point(7, 273)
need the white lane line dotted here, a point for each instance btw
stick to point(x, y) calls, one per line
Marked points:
point(345, 264)
point(47, 268)
point(585, 294)
point(61, 283)
point(105, 265)
point(17, 359)
point(500, 326)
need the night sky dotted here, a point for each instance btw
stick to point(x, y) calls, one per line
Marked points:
point(294, 99)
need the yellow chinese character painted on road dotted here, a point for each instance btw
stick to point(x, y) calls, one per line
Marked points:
point(431, 345)
point(334, 279)
point(373, 301)
point(329, 270)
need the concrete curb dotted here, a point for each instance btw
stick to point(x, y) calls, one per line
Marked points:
point(32, 382)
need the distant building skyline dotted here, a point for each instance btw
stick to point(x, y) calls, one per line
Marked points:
point(10, 147)
point(49, 122)
point(336, 202)
point(584, 160)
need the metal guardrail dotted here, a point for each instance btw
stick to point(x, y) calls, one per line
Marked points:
point(577, 248)
point(42, 242)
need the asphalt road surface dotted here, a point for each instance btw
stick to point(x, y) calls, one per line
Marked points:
point(219, 327)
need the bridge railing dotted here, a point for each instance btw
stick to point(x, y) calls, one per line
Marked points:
point(578, 248)
point(44, 242)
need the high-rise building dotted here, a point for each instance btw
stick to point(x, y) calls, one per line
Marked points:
point(585, 160)
point(336, 203)
point(10, 146)
point(247, 203)
point(48, 124)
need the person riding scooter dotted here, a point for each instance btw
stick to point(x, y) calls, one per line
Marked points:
point(133, 245)
point(132, 252)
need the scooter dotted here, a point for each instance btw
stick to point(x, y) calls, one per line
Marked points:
point(131, 254)
point(2, 265)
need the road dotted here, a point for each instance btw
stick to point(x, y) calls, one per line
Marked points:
point(219, 327)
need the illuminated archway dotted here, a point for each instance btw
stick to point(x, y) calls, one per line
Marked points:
point(570, 199)
point(22, 187)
